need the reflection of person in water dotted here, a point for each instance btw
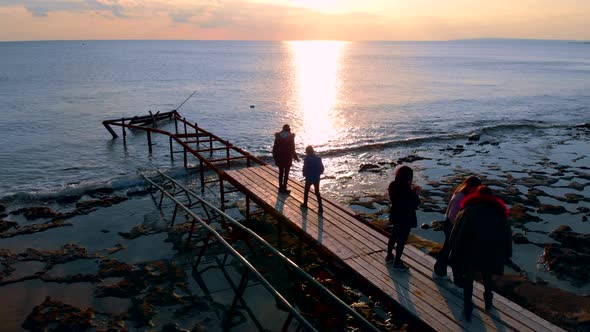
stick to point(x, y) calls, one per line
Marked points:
point(283, 152)
point(312, 169)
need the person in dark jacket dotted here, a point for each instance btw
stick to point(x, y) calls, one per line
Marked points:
point(463, 190)
point(402, 215)
point(312, 169)
point(481, 241)
point(283, 152)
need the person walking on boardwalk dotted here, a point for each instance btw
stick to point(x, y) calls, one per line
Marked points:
point(402, 215)
point(283, 152)
point(481, 241)
point(468, 186)
point(312, 169)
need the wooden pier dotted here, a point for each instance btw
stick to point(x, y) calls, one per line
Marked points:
point(355, 246)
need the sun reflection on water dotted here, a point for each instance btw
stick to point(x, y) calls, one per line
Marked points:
point(317, 85)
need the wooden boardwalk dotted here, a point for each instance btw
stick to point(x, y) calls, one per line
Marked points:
point(434, 301)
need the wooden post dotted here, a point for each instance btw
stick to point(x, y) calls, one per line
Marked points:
point(124, 132)
point(184, 121)
point(247, 207)
point(185, 161)
point(222, 192)
point(176, 125)
point(197, 132)
point(149, 139)
point(227, 155)
point(202, 171)
point(171, 150)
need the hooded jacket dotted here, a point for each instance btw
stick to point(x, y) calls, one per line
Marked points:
point(481, 240)
point(283, 150)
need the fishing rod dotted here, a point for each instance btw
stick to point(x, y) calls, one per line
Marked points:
point(189, 97)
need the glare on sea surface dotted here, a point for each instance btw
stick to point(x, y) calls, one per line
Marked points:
point(317, 88)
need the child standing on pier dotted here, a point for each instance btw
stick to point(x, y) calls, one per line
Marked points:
point(312, 169)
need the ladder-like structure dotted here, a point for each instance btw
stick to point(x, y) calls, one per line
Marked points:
point(221, 229)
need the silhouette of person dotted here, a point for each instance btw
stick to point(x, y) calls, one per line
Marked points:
point(468, 186)
point(402, 215)
point(312, 169)
point(481, 241)
point(283, 152)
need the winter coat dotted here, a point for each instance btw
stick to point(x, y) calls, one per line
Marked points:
point(481, 240)
point(312, 168)
point(283, 150)
point(404, 202)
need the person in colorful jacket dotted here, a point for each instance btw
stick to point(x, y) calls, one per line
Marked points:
point(481, 242)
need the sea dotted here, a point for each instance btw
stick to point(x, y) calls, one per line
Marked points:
point(507, 109)
point(343, 98)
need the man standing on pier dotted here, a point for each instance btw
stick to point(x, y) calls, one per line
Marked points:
point(283, 152)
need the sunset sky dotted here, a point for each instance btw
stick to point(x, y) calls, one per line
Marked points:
point(293, 19)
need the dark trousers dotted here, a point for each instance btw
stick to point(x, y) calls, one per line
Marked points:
point(400, 236)
point(283, 177)
point(488, 284)
point(316, 187)
point(442, 260)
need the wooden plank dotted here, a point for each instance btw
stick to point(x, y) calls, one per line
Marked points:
point(340, 227)
point(348, 223)
point(289, 207)
point(444, 299)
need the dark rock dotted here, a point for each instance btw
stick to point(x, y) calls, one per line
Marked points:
point(584, 218)
point(519, 238)
point(576, 186)
point(162, 297)
point(570, 239)
point(6, 225)
point(36, 228)
point(519, 215)
point(114, 268)
point(484, 143)
point(551, 209)
point(57, 316)
point(369, 168)
point(105, 231)
point(474, 137)
point(141, 312)
point(87, 206)
point(139, 192)
point(37, 212)
point(68, 199)
point(583, 125)
point(173, 327)
point(583, 209)
point(2, 208)
point(567, 263)
point(410, 159)
point(98, 192)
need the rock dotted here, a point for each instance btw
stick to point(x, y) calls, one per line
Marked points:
point(99, 192)
point(57, 316)
point(90, 205)
point(36, 228)
point(567, 263)
point(36, 212)
point(369, 168)
point(173, 327)
point(519, 238)
point(410, 159)
point(473, 137)
point(584, 218)
point(519, 215)
point(2, 208)
point(68, 199)
point(6, 225)
point(551, 209)
point(570, 239)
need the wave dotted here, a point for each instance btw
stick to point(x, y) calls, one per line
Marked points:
point(118, 184)
point(443, 137)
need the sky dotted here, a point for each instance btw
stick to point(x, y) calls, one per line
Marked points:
point(293, 19)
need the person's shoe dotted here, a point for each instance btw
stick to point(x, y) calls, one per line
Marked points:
point(468, 310)
point(303, 206)
point(488, 297)
point(400, 266)
point(285, 191)
point(389, 258)
point(440, 271)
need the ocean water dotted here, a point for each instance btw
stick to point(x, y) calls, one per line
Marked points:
point(345, 98)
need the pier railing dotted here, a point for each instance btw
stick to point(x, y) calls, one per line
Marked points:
point(172, 190)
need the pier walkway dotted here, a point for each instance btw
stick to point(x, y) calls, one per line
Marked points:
point(361, 249)
point(355, 246)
